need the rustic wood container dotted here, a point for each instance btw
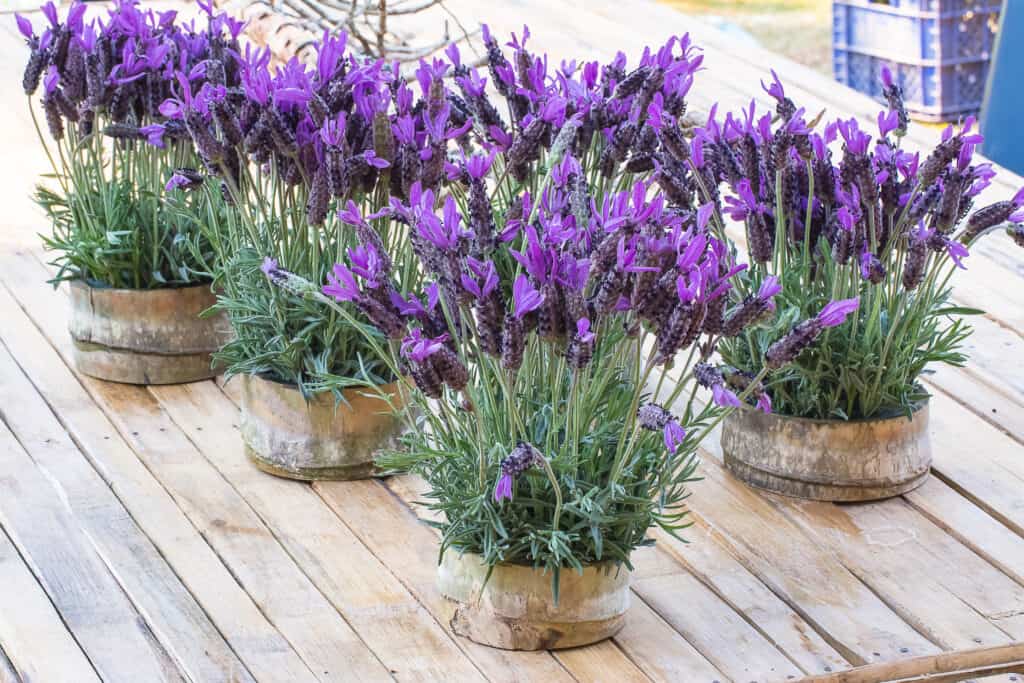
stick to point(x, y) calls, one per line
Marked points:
point(832, 460)
point(288, 436)
point(515, 610)
point(145, 336)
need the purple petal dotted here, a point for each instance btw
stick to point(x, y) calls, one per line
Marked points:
point(835, 312)
point(24, 26)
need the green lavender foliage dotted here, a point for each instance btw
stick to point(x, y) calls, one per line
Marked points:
point(277, 333)
point(871, 365)
point(585, 424)
point(111, 223)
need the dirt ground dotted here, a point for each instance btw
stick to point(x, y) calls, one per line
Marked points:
point(799, 29)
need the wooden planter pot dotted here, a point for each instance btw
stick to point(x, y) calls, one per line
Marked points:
point(832, 460)
point(515, 610)
point(291, 437)
point(145, 336)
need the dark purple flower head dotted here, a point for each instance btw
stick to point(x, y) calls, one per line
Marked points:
point(525, 297)
point(834, 313)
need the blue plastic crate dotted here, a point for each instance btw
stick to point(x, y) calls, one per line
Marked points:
point(938, 50)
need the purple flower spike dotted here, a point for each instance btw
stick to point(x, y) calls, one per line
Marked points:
point(724, 397)
point(503, 491)
point(888, 122)
point(373, 160)
point(764, 403)
point(957, 252)
point(769, 288)
point(704, 214)
point(887, 79)
point(478, 165)
point(674, 435)
point(418, 348)
point(835, 312)
point(182, 181)
point(525, 296)
point(775, 89)
point(342, 284)
point(583, 332)
point(269, 266)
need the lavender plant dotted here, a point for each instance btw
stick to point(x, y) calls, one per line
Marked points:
point(111, 148)
point(559, 299)
point(867, 220)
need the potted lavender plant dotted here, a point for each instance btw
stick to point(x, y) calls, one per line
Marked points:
point(132, 259)
point(291, 149)
point(559, 292)
point(868, 220)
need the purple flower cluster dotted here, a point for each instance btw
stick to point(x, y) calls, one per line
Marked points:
point(118, 70)
point(864, 202)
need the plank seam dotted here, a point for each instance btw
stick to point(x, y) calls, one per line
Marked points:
point(103, 409)
point(270, 530)
point(28, 566)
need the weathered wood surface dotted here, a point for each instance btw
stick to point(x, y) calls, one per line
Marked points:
point(138, 543)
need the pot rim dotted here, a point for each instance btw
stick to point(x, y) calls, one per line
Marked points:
point(918, 407)
point(292, 386)
point(611, 564)
point(84, 284)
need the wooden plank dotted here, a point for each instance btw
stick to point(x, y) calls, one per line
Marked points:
point(733, 645)
point(173, 615)
point(264, 651)
point(257, 561)
point(978, 398)
point(711, 563)
point(970, 525)
point(391, 531)
point(650, 642)
point(7, 672)
point(942, 668)
point(809, 578)
point(978, 461)
point(387, 617)
point(745, 593)
point(89, 599)
point(932, 581)
point(32, 634)
point(324, 640)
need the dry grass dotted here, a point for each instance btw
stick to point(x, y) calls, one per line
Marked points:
point(799, 29)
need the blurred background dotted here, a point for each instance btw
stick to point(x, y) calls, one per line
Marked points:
point(798, 29)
